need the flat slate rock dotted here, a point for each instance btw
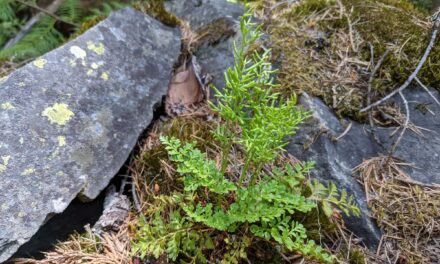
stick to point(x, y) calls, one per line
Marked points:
point(335, 160)
point(69, 120)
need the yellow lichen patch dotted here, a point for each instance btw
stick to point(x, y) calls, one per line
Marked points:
point(60, 173)
point(61, 141)
point(72, 62)
point(58, 113)
point(78, 52)
point(39, 63)
point(98, 49)
point(5, 160)
point(90, 72)
point(104, 76)
point(28, 171)
point(94, 66)
point(3, 79)
point(21, 84)
point(7, 106)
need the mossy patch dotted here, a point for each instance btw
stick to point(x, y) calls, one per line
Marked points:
point(156, 9)
point(326, 48)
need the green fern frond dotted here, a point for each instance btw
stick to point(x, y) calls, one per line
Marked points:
point(41, 38)
point(70, 11)
point(9, 23)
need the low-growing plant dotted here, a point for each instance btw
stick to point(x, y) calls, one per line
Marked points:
point(217, 208)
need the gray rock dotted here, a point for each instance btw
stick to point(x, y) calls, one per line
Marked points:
point(200, 13)
point(335, 160)
point(69, 120)
point(215, 54)
point(421, 150)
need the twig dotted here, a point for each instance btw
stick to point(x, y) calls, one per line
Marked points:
point(135, 198)
point(427, 90)
point(416, 71)
point(345, 131)
point(405, 126)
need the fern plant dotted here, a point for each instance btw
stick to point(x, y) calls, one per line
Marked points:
point(44, 35)
point(255, 205)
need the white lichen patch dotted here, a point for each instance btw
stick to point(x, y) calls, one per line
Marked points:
point(4, 206)
point(39, 63)
point(7, 106)
point(78, 52)
point(60, 173)
point(28, 171)
point(61, 141)
point(5, 160)
point(104, 76)
point(21, 140)
point(21, 214)
point(58, 114)
point(59, 205)
point(98, 49)
point(21, 84)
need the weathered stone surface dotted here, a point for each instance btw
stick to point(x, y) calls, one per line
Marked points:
point(200, 13)
point(218, 19)
point(421, 150)
point(69, 120)
point(336, 160)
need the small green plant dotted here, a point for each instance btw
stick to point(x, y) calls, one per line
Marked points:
point(238, 209)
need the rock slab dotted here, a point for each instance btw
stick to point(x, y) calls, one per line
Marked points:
point(69, 120)
point(335, 160)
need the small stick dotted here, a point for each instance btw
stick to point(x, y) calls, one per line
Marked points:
point(416, 71)
point(345, 131)
point(427, 90)
point(135, 198)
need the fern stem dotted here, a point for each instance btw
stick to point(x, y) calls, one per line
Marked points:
point(256, 173)
point(225, 156)
point(245, 168)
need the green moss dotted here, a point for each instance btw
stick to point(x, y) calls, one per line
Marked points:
point(87, 25)
point(156, 9)
point(323, 48)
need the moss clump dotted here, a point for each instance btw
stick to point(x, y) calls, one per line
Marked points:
point(156, 9)
point(324, 48)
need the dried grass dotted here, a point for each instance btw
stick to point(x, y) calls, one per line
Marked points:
point(111, 248)
point(407, 211)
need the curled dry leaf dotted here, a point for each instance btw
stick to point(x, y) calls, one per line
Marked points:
point(185, 90)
